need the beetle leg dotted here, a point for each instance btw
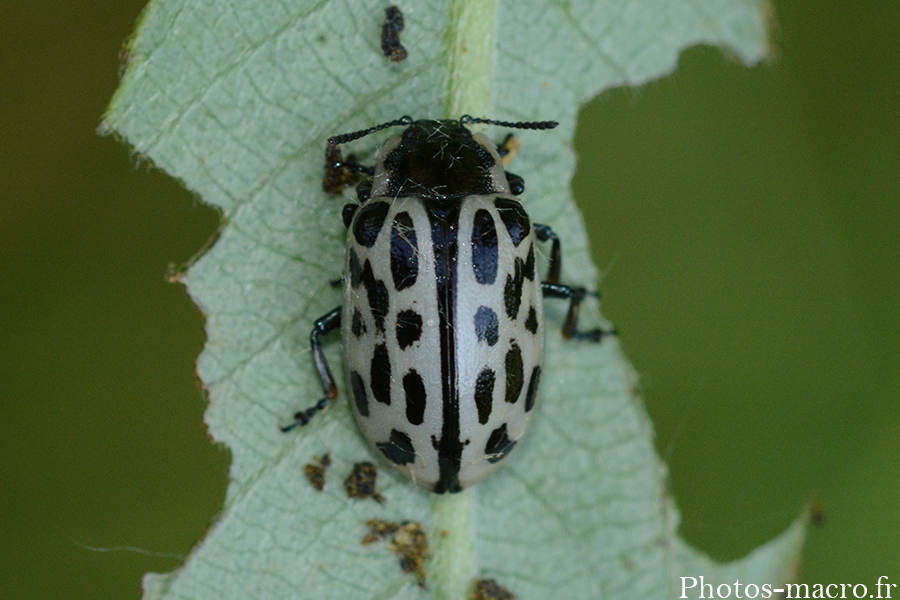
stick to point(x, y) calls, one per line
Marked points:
point(553, 289)
point(340, 171)
point(324, 324)
point(570, 325)
point(516, 183)
point(544, 233)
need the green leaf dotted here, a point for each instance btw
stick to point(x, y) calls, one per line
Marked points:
point(236, 99)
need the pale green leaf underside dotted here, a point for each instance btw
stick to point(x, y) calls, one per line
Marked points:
point(236, 99)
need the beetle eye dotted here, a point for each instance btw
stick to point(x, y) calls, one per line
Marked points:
point(414, 133)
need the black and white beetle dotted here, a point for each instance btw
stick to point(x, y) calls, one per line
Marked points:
point(442, 325)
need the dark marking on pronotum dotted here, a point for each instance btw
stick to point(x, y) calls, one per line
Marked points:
point(485, 252)
point(381, 375)
point(357, 326)
point(531, 323)
point(398, 449)
point(409, 328)
point(404, 252)
point(514, 218)
point(416, 397)
point(498, 445)
point(359, 393)
point(484, 394)
point(533, 385)
point(515, 373)
point(368, 223)
point(487, 325)
point(430, 164)
point(512, 291)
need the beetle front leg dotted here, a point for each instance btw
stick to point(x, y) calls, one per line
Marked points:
point(324, 324)
point(341, 172)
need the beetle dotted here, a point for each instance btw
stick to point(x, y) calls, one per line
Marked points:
point(442, 321)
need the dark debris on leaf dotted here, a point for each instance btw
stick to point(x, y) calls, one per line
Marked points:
point(361, 482)
point(390, 35)
point(488, 589)
point(315, 471)
point(407, 540)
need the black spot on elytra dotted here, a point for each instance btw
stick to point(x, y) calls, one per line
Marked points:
point(409, 328)
point(512, 291)
point(484, 394)
point(531, 323)
point(347, 213)
point(359, 393)
point(498, 445)
point(404, 252)
point(378, 300)
point(415, 397)
point(381, 375)
point(484, 247)
point(357, 326)
point(530, 271)
point(515, 373)
point(514, 218)
point(377, 294)
point(369, 222)
point(487, 325)
point(398, 449)
point(355, 270)
point(533, 385)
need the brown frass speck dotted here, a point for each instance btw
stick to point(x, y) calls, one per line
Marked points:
point(488, 589)
point(390, 34)
point(360, 483)
point(315, 471)
point(408, 540)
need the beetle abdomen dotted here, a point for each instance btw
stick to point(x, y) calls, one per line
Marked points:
point(443, 332)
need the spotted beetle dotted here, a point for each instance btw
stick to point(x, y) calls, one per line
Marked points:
point(442, 323)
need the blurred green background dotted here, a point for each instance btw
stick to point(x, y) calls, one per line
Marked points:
point(745, 221)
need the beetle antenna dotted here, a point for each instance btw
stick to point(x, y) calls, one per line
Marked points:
point(349, 137)
point(466, 119)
